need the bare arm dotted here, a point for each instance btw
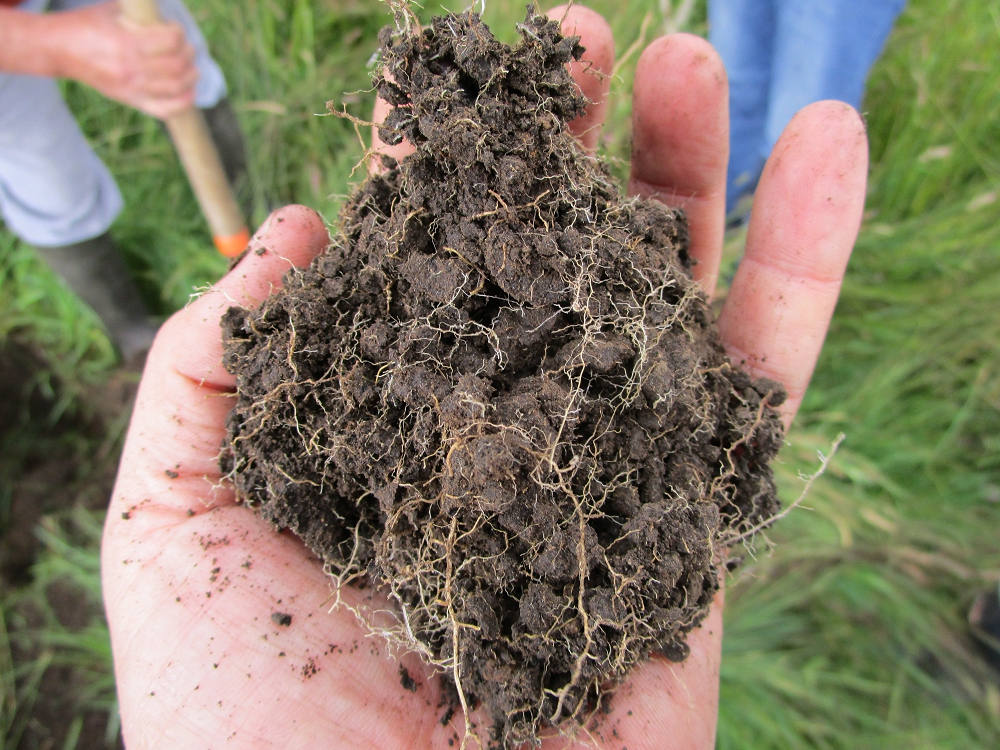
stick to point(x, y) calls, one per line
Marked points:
point(28, 44)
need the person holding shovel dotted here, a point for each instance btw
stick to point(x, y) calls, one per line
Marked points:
point(55, 194)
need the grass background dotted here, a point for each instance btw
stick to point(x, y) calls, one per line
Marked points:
point(847, 630)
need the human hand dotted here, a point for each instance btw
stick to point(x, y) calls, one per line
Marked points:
point(191, 579)
point(150, 68)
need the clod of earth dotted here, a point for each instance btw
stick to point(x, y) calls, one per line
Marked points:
point(499, 397)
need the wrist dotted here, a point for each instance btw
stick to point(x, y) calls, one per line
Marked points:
point(31, 43)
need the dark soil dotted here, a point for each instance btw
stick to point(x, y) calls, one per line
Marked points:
point(499, 396)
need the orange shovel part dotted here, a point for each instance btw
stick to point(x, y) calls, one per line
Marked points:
point(200, 158)
point(234, 244)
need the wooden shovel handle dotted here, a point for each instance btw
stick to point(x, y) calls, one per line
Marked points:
point(199, 156)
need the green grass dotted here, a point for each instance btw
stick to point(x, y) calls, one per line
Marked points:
point(933, 113)
point(847, 630)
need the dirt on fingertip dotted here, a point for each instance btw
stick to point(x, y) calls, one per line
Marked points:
point(499, 396)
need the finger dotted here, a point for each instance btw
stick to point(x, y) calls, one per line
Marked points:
point(160, 39)
point(168, 77)
point(399, 151)
point(592, 72)
point(171, 452)
point(680, 140)
point(806, 215)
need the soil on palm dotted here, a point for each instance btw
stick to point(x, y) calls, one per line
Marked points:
point(499, 396)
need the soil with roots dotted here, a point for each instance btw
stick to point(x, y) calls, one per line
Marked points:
point(499, 397)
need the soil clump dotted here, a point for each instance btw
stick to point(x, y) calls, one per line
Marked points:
point(499, 397)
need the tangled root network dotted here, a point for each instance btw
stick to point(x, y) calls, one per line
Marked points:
point(499, 396)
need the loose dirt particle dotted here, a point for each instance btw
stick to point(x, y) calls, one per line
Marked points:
point(499, 396)
point(406, 681)
point(309, 669)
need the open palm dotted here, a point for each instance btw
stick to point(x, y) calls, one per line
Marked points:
point(199, 590)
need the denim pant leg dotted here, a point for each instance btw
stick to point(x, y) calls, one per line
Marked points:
point(742, 31)
point(824, 50)
point(781, 55)
point(53, 189)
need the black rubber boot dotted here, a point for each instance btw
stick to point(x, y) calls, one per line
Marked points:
point(229, 142)
point(95, 271)
point(984, 623)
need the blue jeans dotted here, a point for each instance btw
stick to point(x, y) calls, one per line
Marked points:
point(53, 189)
point(781, 55)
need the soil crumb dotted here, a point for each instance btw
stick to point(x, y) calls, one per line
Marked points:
point(499, 396)
point(406, 681)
